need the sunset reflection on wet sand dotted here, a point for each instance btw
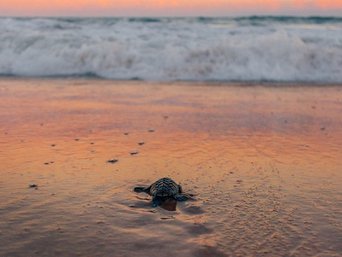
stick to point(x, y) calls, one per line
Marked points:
point(264, 163)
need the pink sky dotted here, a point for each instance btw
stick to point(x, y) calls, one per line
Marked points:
point(168, 7)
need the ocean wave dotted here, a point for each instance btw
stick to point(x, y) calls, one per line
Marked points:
point(166, 49)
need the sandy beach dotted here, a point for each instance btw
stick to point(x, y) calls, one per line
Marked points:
point(264, 161)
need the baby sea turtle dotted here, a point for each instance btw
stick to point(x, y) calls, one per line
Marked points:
point(163, 189)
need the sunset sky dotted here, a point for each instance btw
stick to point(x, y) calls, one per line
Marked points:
point(168, 7)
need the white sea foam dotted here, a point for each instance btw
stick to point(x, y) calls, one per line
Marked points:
point(174, 49)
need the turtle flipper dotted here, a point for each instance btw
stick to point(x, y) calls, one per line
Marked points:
point(183, 197)
point(141, 189)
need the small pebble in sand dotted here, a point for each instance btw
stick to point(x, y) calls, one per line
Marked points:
point(134, 152)
point(113, 161)
point(92, 143)
point(77, 139)
point(151, 130)
point(46, 163)
point(53, 145)
point(141, 143)
point(126, 133)
point(33, 186)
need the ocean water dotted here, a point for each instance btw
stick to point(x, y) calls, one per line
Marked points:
point(281, 49)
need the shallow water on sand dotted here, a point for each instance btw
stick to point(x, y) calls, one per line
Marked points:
point(264, 163)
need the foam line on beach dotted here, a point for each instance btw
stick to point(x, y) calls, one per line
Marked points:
point(243, 49)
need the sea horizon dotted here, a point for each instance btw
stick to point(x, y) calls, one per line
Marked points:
point(177, 16)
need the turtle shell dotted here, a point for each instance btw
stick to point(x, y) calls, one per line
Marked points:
point(164, 187)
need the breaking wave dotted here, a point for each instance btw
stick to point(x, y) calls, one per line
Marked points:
point(167, 49)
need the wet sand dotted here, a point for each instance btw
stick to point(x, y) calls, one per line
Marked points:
point(264, 161)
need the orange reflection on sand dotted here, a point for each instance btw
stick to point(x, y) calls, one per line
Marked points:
point(264, 163)
point(278, 123)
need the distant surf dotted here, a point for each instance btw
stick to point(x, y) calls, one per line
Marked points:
point(281, 49)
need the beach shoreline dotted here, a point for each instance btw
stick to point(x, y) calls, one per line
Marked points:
point(263, 159)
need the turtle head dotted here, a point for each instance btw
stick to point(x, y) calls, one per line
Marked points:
point(170, 204)
point(156, 201)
